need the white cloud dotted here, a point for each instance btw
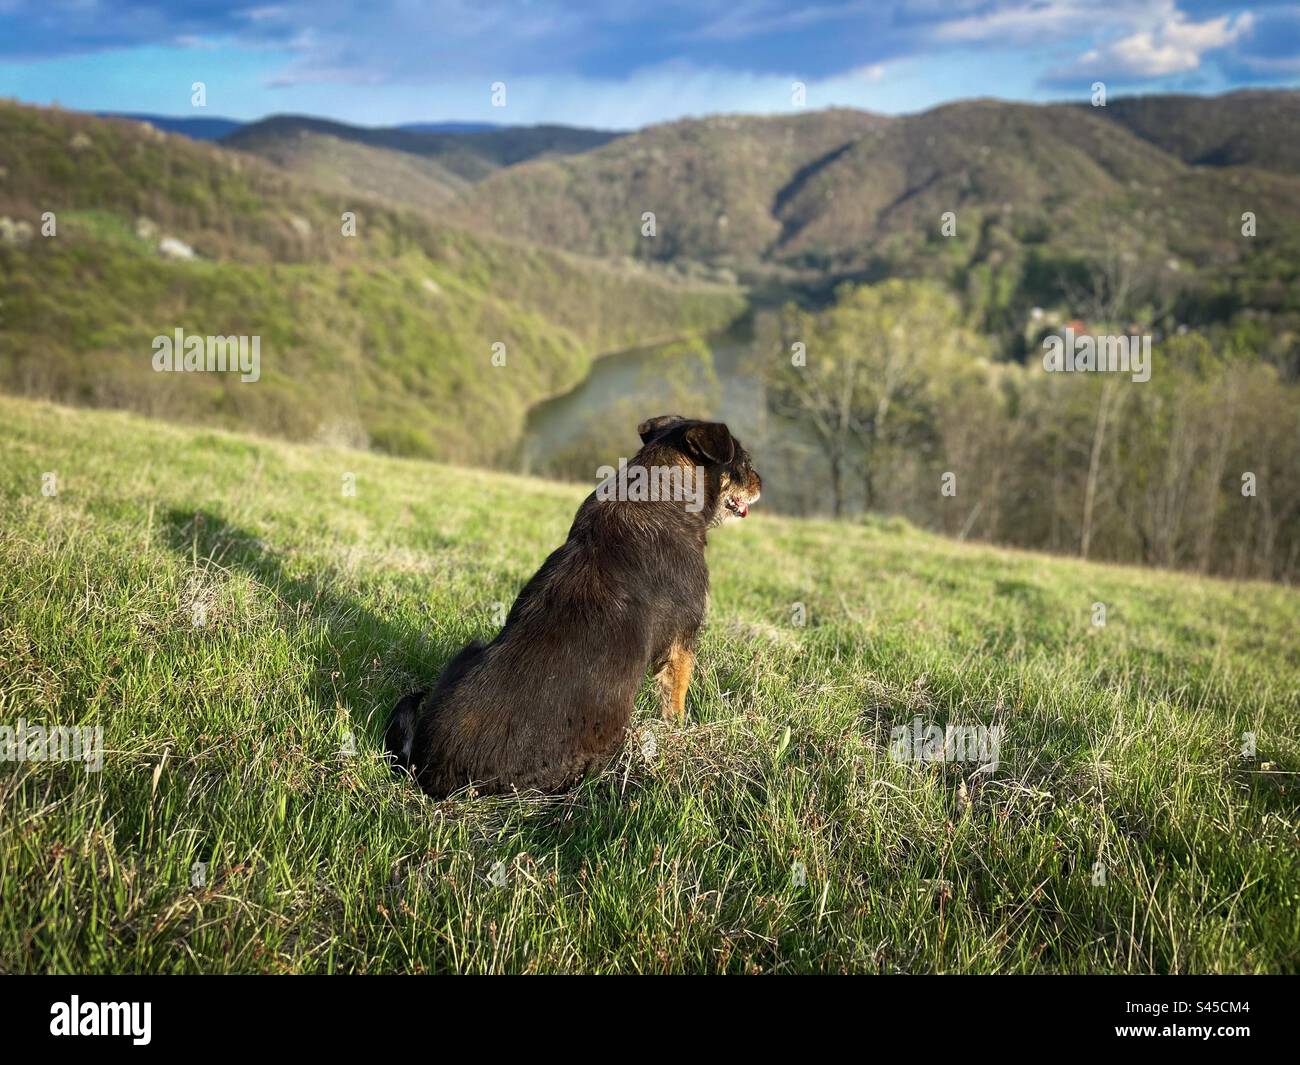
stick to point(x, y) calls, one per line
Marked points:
point(1035, 22)
point(1174, 45)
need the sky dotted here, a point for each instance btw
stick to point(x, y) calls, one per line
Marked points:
point(627, 64)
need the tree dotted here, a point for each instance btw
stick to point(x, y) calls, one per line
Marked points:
point(866, 381)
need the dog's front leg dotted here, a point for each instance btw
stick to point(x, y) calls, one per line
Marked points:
point(674, 679)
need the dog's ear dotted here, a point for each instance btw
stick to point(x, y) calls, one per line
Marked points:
point(654, 426)
point(712, 441)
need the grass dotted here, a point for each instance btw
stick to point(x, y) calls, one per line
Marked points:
point(227, 743)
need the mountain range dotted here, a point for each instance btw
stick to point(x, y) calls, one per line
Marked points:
point(816, 198)
point(563, 243)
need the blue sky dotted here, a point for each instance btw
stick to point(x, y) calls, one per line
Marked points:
point(623, 65)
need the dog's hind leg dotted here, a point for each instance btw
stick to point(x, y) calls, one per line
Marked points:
point(674, 678)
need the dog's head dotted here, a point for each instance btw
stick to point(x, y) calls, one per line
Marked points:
point(733, 485)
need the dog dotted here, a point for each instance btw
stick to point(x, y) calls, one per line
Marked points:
point(548, 701)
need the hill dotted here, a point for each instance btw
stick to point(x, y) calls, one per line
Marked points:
point(347, 165)
point(387, 335)
point(468, 152)
point(200, 129)
point(713, 184)
point(1036, 194)
point(829, 183)
point(240, 628)
point(1250, 128)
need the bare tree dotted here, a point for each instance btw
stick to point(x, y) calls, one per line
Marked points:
point(1107, 409)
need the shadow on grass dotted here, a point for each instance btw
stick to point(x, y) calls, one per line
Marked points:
point(349, 640)
point(362, 659)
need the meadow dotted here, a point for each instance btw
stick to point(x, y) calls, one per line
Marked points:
point(240, 613)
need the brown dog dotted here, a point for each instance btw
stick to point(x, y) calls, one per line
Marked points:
point(549, 699)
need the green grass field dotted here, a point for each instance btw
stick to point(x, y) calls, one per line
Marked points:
point(227, 742)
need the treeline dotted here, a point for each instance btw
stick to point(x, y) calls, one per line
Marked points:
point(889, 403)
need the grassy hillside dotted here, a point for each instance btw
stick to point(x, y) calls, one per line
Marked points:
point(228, 741)
point(383, 336)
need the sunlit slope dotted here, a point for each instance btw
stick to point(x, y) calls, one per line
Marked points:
point(240, 626)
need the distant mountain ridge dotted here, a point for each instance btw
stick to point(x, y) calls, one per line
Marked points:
point(203, 128)
point(1012, 205)
point(449, 127)
point(470, 154)
point(196, 128)
point(842, 193)
point(830, 188)
point(1259, 128)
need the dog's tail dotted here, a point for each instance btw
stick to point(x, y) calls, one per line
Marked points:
point(399, 737)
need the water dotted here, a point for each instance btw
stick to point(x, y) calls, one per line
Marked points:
point(626, 387)
point(594, 424)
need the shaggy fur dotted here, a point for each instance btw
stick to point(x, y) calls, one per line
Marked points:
point(548, 701)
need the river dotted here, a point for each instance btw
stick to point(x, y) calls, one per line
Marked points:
point(594, 424)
